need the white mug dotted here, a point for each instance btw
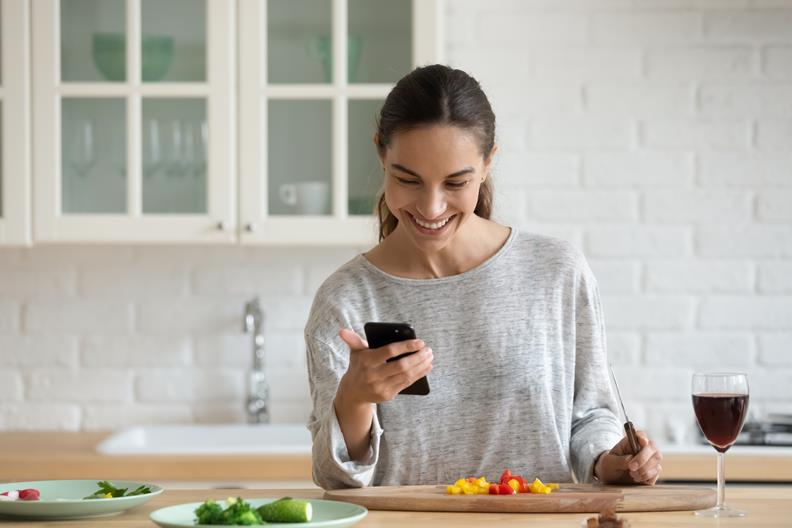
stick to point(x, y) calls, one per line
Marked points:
point(308, 198)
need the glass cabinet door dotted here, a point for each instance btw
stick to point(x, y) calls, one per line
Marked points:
point(379, 40)
point(365, 176)
point(135, 126)
point(299, 41)
point(14, 123)
point(313, 76)
point(300, 160)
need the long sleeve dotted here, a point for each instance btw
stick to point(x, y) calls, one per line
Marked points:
point(595, 426)
point(332, 467)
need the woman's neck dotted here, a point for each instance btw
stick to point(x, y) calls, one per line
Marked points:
point(477, 241)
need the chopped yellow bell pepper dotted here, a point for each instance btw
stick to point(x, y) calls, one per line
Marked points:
point(537, 486)
point(515, 485)
point(469, 486)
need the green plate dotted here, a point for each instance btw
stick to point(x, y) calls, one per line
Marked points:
point(326, 513)
point(63, 499)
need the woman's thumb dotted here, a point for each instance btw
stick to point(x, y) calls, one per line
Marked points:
point(352, 339)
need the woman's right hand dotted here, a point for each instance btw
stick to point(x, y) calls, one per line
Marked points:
point(369, 379)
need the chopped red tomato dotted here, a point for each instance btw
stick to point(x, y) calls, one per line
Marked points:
point(29, 494)
point(505, 489)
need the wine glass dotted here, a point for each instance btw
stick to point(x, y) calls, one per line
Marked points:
point(152, 153)
point(82, 157)
point(203, 144)
point(175, 165)
point(720, 401)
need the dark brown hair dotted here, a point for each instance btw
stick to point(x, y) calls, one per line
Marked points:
point(433, 95)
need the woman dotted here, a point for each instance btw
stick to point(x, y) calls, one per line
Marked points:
point(510, 324)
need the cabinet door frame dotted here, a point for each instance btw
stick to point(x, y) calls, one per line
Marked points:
point(15, 219)
point(256, 226)
point(218, 225)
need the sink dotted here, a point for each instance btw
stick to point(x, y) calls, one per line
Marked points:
point(220, 439)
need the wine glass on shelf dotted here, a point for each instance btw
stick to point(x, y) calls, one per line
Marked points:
point(720, 401)
point(82, 157)
point(152, 154)
point(189, 145)
point(202, 146)
point(176, 161)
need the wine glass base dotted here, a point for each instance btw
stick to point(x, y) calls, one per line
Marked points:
point(720, 512)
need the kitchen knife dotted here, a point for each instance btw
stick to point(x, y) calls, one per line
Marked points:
point(629, 428)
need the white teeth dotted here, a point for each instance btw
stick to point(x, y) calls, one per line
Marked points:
point(437, 225)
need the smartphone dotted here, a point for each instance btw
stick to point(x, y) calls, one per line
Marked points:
point(381, 334)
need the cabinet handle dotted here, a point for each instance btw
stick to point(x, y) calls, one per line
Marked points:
point(250, 227)
point(222, 225)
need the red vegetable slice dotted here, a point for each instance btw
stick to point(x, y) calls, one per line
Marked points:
point(30, 494)
point(505, 489)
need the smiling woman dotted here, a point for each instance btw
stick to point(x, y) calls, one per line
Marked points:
point(509, 324)
point(430, 202)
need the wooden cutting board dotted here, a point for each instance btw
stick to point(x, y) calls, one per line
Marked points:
point(570, 498)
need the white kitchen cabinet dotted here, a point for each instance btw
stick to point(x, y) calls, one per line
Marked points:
point(311, 82)
point(215, 120)
point(14, 123)
point(134, 120)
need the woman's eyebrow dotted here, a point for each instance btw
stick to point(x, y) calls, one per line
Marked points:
point(462, 172)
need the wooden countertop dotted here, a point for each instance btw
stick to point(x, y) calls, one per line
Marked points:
point(765, 506)
point(72, 455)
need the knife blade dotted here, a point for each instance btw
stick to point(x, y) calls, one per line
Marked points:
point(629, 428)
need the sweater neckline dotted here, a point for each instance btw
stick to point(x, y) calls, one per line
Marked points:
point(451, 278)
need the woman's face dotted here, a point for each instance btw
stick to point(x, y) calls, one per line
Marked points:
point(432, 180)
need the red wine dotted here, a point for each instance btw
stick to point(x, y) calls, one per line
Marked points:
point(720, 417)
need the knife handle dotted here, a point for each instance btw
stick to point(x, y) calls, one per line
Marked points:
point(632, 437)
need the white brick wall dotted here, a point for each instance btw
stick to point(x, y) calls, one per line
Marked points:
point(654, 134)
point(677, 182)
point(104, 337)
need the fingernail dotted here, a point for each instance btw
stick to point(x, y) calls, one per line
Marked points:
point(420, 343)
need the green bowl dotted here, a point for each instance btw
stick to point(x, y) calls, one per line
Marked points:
point(109, 55)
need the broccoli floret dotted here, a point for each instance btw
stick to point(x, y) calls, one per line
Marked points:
point(209, 513)
point(238, 512)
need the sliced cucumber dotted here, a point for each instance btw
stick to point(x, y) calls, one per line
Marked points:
point(286, 510)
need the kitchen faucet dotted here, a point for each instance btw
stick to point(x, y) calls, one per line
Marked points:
point(257, 404)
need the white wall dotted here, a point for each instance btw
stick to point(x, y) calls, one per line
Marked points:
point(657, 135)
point(102, 337)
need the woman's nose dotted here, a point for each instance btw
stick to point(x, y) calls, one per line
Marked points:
point(432, 204)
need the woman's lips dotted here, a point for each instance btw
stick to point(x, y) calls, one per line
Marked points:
point(443, 225)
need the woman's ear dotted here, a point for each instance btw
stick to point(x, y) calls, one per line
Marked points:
point(380, 151)
point(488, 161)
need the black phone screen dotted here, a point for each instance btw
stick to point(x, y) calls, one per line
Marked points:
point(381, 334)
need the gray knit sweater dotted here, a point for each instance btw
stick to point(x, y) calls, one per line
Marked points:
point(519, 375)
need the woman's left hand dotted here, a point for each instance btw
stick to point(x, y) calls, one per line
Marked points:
point(619, 466)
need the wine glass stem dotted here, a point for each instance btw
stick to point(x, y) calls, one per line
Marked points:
point(721, 478)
